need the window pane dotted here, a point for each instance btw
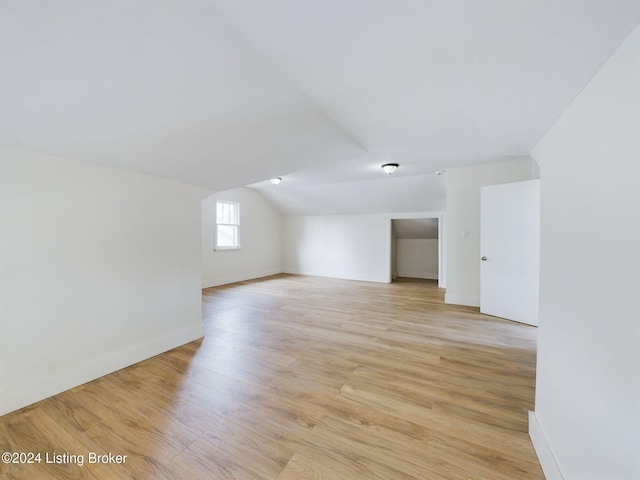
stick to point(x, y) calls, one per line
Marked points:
point(228, 209)
point(227, 224)
point(227, 236)
point(233, 214)
point(227, 213)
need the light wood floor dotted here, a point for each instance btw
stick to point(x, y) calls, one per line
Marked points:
point(305, 378)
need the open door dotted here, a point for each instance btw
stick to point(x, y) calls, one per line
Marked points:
point(510, 251)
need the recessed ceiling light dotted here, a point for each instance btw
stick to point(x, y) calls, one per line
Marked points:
point(276, 180)
point(389, 167)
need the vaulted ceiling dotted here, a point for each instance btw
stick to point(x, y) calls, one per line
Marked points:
point(415, 228)
point(320, 92)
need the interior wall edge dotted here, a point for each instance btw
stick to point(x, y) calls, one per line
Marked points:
point(543, 450)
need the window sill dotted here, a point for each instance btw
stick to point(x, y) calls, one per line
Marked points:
point(225, 249)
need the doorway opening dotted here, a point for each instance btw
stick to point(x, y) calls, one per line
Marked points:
point(416, 249)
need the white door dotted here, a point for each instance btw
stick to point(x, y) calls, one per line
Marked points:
point(510, 250)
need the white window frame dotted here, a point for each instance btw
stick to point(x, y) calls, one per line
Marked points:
point(235, 224)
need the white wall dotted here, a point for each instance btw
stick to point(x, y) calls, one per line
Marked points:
point(394, 254)
point(99, 269)
point(418, 257)
point(260, 239)
point(463, 223)
point(587, 412)
point(355, 247)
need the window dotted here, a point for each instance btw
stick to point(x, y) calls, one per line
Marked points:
point(227, 225)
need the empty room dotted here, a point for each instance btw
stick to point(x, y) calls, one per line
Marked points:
point(320, 239)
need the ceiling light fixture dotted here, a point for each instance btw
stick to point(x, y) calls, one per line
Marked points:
point(276, 180)
point(389, 168)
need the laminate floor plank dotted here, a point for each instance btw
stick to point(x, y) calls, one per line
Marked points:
point(305, 378)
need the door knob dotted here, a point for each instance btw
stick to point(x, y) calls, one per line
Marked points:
point(484, 259)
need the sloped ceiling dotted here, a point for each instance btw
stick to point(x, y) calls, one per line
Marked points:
point(415, 228)
point(229, 93)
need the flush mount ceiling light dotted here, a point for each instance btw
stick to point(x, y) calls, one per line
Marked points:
point(275, 181)
point(389, 167)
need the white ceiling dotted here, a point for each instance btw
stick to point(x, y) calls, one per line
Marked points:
point(230, 93)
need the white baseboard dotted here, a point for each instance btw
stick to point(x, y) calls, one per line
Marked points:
point(39, 388)
point(461, 300)
point(240, 277)
point(355, 276)
point(545, 455)
point(292, 270)
point(425, 275)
